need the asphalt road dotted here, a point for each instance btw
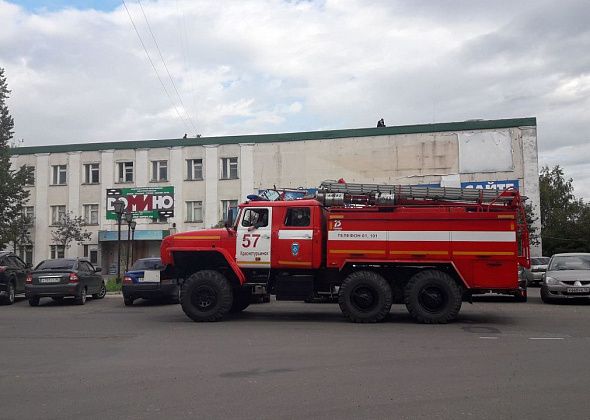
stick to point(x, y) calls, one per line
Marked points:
point(293, 360)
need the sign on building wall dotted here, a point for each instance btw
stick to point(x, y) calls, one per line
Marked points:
point(152, 202)
point(491, 185)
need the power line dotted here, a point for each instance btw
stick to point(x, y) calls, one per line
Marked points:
point(165, 66)
point(154, 67)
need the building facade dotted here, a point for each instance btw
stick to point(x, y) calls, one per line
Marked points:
point(208, 175)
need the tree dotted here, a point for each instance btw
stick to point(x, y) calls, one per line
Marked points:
point(13, 195)
point(68, 229)
point(18, 233)
point(564, 219)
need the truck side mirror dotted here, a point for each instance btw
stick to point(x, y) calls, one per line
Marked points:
point(230, 217)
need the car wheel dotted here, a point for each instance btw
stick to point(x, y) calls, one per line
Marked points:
point(10, 293)
point(433, 297)
point(206, 296)
point(34, 301)
point(365, 297)
point(545, 296)
point(81, 298)
point(128, 300)
point(101, 293)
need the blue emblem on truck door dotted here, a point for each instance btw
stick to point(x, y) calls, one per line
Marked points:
point(294, 249)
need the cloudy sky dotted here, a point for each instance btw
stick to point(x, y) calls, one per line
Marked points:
point(79, 73)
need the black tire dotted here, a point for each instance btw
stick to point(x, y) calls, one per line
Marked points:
point(206, 296)
point(128, 300)
point(545, 296)
point(519, 297)
point(10, 294)
point(34, 301)
point(241, 300)
point(101, 293)
point(365, 297)
point(81, 297)
point(433, 297)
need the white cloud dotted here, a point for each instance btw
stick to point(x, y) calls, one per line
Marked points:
point(266, 66)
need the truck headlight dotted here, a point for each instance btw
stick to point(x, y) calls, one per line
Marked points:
point(551, 280)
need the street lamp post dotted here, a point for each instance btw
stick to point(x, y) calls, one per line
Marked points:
point(132, 226)
point(119, 207)
point(128, 219)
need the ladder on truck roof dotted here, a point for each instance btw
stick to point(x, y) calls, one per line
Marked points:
point(332, 192)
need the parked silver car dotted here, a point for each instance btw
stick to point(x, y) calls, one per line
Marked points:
point(534, 275)
point(567, 277)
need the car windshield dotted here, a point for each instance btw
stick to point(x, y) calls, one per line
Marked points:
point(56, 265)
point(570, 262)
point(147, 264)
point(540, 261)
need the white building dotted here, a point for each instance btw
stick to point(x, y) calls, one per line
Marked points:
point(209, 174)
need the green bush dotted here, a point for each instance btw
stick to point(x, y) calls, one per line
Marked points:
point(113, 286)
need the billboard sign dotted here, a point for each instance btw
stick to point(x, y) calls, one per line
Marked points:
point(148, 202)
point(483, 185)
point(491, 185)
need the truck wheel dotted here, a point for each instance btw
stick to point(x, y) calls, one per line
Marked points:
point(241, 300)
point(364, 297)
point(433, 297)
point(206, 296)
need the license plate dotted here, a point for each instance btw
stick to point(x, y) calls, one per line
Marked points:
point(578, 289)
point(49, 280)
point(151, 276)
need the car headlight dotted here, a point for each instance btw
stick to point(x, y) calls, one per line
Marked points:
point(551, 280)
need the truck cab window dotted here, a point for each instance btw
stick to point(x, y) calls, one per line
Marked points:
point(297, 216)
point(255, 218)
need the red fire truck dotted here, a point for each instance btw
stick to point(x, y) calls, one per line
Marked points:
point(368, 245)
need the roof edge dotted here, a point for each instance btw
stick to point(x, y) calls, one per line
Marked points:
point(281, 137)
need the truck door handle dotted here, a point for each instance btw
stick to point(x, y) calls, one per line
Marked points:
point(265, 236)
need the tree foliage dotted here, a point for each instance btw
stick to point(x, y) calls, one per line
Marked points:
point(13, 194)
point(565, 220)
point(18, 233)
point(68, 229)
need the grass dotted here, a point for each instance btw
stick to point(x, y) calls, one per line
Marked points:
point(112, 285)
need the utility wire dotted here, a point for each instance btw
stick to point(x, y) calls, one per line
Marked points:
point(166, 67)
point(154, 67)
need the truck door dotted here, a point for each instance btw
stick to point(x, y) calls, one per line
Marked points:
point(254, 238)
point(295, 239)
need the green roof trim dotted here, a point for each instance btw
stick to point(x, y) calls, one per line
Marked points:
point(281, 137)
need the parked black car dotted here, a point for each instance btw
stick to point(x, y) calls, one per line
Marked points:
point(148, 278)
point(65, 277)
point(13, 273)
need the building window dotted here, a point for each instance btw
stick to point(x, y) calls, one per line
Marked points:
point(225, 205)
point(91, 173)
point(59, 174)
point(57, 251)
point(229, 168)
point(194, 211)
point(194, 169)
point(91, 253)
point(91, 214)
point(25, 253)
point(29, 213)
point(58, 213)
point(159, 170)
point(125, 172)
point(30, 181)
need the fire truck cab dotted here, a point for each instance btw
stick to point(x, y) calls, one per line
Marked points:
point(368, 245)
